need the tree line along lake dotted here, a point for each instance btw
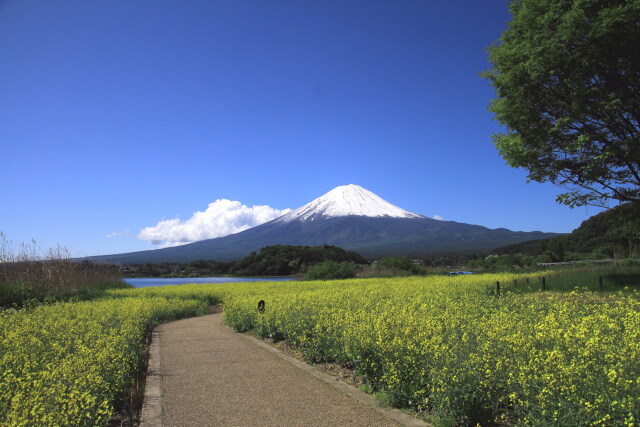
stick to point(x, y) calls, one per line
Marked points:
point(142, 282)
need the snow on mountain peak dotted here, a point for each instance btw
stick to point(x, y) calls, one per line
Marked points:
point(347, 200)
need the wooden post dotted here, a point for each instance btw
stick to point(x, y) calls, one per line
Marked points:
point(498, 288)
point(261, 305)
point(515, 282)
point(600, 285)
point(527, 280)
point(543, 284)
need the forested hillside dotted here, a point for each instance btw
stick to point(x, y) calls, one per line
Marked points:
point(611, 234)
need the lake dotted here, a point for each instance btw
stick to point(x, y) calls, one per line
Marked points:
point(142, 282)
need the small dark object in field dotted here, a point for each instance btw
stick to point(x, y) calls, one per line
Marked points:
point(261, 306)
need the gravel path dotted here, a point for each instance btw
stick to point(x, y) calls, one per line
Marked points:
point(211, 376)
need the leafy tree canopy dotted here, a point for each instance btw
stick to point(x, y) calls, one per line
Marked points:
point(567, 78)
point(330, 270)
point(284, 260)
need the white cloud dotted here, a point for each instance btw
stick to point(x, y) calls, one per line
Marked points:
point(438, 217)
point(125, 233)
point(221, 218)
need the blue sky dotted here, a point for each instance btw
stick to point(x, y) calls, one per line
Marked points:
point(116, 116)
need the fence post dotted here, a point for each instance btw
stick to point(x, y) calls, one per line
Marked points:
point(515, 282)
point(498, 288)
point(527, 280)
point(600, 285)
point(543, 284)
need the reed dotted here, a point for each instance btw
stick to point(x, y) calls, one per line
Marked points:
point(29, 276)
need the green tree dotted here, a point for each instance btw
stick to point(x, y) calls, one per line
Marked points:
point(284, 260)
point(626, 225)
point(329, 270)
point(567, 78)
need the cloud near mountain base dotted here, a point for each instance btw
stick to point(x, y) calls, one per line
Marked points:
point(221, 218)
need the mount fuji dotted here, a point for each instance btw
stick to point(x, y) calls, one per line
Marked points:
point(346, 200)
point(348, 216)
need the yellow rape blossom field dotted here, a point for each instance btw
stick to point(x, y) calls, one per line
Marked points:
point(449, 346)
point(69, 363)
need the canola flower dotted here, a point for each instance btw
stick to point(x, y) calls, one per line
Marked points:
point(452, 347)
point(446, 345)
point(68, 363)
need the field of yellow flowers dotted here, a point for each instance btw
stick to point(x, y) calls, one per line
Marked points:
point(69, 363)
point(450, 346)
point(453, 347)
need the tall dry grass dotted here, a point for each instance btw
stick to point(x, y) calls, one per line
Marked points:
point(29, 275)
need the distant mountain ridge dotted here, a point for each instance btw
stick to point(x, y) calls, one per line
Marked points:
point(350, 217)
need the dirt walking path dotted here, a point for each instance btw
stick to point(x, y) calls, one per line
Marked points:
point(211, 376)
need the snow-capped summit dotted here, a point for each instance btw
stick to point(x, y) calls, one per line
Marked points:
point(347, 200)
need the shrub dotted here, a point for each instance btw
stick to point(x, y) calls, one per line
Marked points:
point(397, 266)
point(329, 270)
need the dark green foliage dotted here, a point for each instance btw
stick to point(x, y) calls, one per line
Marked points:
point(500, 263)
point(625, 226)
point(611, 234)
point(278, 260)
point(614, 233)
point(567, 77)
point(199, 268)
point(329, 270)
point(398, 265)
point(281, 260)
point(447, 261)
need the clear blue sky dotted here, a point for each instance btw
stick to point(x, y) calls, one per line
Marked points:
point(115, 115)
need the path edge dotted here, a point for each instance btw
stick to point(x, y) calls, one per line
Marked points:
point(151, 415)
point(393, 413)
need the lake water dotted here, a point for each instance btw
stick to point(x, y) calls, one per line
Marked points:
point(153, 281)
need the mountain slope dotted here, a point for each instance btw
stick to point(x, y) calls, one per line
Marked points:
point(609, 234)
point(349, 217)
